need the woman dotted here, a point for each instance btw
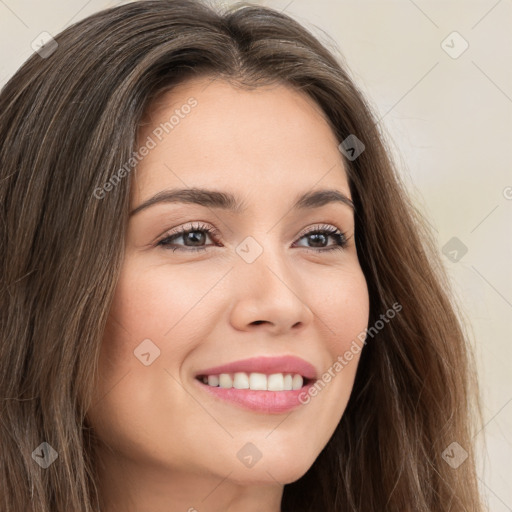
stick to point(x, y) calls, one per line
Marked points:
point(299, 352)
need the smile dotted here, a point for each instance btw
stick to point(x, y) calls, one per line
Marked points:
point(257, 385)
point(255, 381)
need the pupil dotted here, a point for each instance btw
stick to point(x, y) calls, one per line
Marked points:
point(192, 236)
point(316, 236)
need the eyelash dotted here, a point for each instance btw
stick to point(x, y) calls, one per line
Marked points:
point(213, 233)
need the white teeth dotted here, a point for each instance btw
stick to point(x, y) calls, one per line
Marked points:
point(275, 382)
point(297, 382)
point(256, 381)
point(225, 380)
point(213, 380)
point(241, 381)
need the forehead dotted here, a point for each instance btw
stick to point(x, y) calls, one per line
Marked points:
point(273, 138)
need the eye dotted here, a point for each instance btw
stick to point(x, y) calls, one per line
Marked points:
point(189, 235)
point(320, 234)
point(197, 233)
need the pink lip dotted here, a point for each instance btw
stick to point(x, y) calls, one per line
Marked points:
point(262, 401)
point(267, 365)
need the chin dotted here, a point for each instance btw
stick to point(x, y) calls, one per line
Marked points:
point(275, 469)
point(268, 475)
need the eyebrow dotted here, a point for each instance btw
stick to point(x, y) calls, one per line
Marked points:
point(229, 202)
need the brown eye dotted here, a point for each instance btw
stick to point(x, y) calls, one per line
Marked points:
point(193, 238)
point(320, 236)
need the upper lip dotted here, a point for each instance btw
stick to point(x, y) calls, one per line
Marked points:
point(265, 364)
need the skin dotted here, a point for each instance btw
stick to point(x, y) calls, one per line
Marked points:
point(165, 444)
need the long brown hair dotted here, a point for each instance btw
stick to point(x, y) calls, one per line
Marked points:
point(68, 122)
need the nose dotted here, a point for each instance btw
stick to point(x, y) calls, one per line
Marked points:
point(269, 295)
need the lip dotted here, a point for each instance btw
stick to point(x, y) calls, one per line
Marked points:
point(268, 402)
point(267, 365)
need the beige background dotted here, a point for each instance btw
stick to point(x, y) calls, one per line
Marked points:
point(450, 121)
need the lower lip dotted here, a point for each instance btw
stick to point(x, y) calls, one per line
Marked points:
point(270, 402)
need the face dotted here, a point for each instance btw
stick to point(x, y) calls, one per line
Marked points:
point(274, 283)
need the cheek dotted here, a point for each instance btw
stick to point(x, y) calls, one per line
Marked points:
point(342, 308)
point(155, 313)
point(342, 311)
point(150, 303)
point(132, 399)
